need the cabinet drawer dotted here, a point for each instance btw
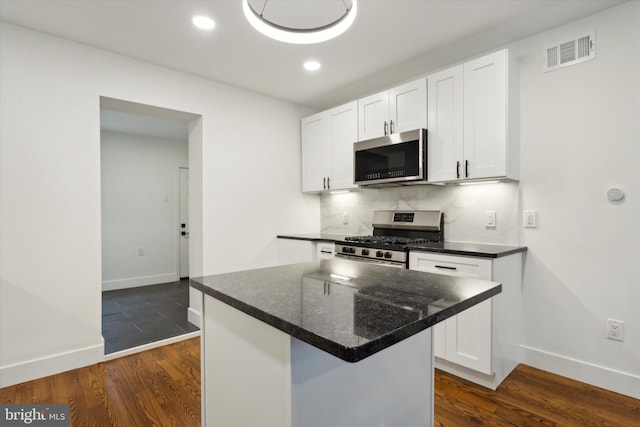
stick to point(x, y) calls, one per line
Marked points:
point(325, 250)
point(452, 265)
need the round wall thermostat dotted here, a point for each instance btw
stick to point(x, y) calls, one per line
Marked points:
point(615, 194)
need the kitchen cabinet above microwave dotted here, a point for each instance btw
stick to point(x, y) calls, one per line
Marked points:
point(327, 149)
point(471, 131)
point(399, 109)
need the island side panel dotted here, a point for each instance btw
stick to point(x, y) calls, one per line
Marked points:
point(391, 388)
point(247, 370)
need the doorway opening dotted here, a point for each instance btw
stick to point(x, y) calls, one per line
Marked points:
point(145, 225)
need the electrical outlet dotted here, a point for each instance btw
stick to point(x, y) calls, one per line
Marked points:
point(615, 329)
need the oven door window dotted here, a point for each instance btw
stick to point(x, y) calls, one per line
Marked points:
point(389, 161)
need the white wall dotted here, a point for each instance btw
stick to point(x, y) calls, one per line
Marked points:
point(244, 159)
point(140, 208)
point(580, 135)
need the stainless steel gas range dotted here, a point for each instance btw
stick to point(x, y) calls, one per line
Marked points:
point(394, 234)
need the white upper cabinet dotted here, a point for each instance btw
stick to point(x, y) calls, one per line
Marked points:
point(344, 133)
point(327, 149)
point(396, 110)
point(468, 122)
point(373, 116)
point(485, 116)
point(445, 127)
point(316, 152)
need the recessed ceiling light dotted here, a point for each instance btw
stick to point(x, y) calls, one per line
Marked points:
point(312, 65)
point(203, 22)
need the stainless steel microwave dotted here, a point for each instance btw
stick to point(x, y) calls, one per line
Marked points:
point(399, 158)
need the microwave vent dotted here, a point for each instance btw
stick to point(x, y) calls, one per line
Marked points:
point(571, 52)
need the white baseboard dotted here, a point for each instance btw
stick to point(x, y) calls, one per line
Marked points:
point(151, 345)
point(50, 365)
point(579, 370)
point(194, 317)
point(134, 282)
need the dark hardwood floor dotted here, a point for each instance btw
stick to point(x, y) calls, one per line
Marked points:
point(161, 387)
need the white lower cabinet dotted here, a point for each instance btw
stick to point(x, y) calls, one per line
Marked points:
point(325, 250)
point(480, 344)
point(291, 251)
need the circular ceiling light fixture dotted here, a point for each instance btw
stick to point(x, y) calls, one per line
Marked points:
point(300, 35)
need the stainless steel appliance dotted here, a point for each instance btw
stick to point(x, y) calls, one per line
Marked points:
point(394, 234)
point(397, 159)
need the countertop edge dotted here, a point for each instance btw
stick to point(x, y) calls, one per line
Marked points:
point(308, 238)
point(348, 354)
point(477, 254)
point(509, 250)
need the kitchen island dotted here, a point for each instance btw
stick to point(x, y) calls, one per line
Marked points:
point(332, 342)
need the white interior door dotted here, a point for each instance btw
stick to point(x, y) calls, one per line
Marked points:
point(183, 225)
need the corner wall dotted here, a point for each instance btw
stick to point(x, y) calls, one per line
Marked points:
point(580, 135)
point(50, 215)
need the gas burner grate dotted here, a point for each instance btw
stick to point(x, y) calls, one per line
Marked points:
point(388, 240)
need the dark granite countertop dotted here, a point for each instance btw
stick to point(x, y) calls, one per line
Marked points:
point(315, 237)
point(483, 250)
point(349, 309)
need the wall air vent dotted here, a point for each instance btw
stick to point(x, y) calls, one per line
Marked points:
point(570, 52)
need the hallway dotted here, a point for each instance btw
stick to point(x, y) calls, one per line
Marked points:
point(136, 316)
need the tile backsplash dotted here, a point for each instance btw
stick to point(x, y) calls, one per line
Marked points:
point(464, 208)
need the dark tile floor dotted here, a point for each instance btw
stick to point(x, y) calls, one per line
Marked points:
point(137, 316)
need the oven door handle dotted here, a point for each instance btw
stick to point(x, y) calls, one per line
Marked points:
point(372, 261)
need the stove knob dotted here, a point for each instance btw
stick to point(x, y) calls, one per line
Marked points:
point(387, 254)
point(352, 250)
point(379, 254)
point(365, 252)
point(345, 249)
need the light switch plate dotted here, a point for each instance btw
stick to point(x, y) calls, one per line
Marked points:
point(490, 219)
point(530, 219)
point(345, 217)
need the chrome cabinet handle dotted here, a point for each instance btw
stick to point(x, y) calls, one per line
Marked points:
point(391, 126)
point(324, 182)
point(458, 169)
point(385, 127)
point(328, 183)
point(466, 168)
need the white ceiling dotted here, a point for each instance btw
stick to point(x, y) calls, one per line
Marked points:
point(388, 42)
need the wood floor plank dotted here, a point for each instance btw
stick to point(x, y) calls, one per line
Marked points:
point(161, 387)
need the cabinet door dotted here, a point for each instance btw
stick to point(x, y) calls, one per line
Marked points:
point(467, 337)
point(445, 125)
point(292, 251)
point(344, 133)
point(408, 106)
point(316, 152)
point(373, 113)
point(485, 116)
